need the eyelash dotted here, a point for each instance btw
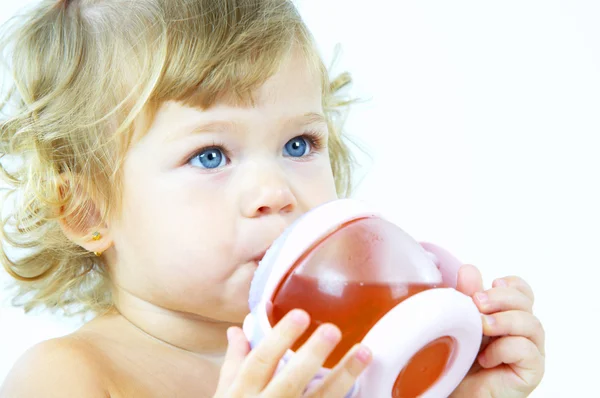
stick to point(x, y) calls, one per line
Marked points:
point(315, 139)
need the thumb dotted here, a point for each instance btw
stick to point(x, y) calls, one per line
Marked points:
point(469, 280)
point(237, 350)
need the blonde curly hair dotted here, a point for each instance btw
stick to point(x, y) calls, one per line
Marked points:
point(81, 73)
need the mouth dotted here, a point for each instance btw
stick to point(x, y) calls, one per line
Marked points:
point(258, 258)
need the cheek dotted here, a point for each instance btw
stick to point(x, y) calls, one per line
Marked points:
point(176, 234)
point(313, 180)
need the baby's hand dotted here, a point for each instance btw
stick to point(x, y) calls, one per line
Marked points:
point(512, 359)
point(248, 373)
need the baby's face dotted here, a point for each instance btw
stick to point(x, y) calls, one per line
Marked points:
point(201, 207)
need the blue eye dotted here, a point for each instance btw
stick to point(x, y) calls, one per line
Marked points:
point(209, 158)
point(297, 147)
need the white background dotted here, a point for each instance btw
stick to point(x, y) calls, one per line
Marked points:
point(482, 128)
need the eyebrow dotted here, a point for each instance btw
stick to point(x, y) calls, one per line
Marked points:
point(229, 125)
point(308, 118)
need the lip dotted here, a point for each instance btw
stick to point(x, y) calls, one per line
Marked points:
point(258, 258)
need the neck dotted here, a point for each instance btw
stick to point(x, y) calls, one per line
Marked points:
point(180, 330)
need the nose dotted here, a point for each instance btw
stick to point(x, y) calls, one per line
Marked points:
point(267, 192)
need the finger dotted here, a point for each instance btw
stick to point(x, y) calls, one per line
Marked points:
point(502, 299)
point(341, 379)
point(305, 364)
point(469, 280)
point(485, 341)
point(237, 350)
point(520, 354)
point(262, 362)
point(516, 282)
point(515, 323)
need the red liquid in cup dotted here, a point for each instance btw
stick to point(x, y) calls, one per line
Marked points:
point(424, 368)
point(354, 306)
point(355, 310)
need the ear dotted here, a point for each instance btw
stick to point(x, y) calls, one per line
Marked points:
point(80, 218)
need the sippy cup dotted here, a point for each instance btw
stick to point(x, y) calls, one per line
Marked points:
point(344, 263)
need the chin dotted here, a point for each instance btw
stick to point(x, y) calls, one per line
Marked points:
point(235, 311)
point(236, 316)
point(242, 309)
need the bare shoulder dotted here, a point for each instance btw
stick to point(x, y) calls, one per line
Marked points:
point(61, 367)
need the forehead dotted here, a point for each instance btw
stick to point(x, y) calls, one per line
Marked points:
point(295, 89)
point(295, 79)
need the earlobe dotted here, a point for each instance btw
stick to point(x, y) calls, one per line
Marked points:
point(96, 242)
point(98, 245)
point(81, 221)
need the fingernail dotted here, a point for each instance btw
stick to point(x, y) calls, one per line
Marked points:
point(229, 335)
point(300, 318)
point(481, 359)
point(481, 297)
point(331, 333)
point(364, 355)
point(490, 320)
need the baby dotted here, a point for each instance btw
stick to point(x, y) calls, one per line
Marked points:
point(164, 146)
